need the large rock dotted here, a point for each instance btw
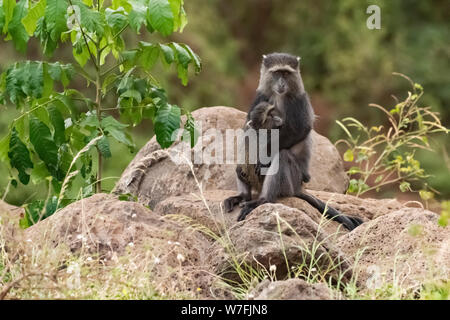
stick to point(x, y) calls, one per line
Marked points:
point(280, 237)
point(291, 289)
point(106, 227)
point(406, 247)
point(10, 231)
point(153, 175)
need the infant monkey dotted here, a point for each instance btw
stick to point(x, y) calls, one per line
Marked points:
point(263, 116)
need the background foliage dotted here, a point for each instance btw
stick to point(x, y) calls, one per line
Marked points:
point(345, 66)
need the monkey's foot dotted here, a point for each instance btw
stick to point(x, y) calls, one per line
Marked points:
point(231, 202)
point(246, 211)
point(249, 206)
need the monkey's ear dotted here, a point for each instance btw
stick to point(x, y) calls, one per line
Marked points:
point(264, 56)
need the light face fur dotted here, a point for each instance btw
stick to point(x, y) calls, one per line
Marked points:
point(280, 74)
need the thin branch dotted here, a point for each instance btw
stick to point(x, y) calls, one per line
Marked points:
point(85, 39)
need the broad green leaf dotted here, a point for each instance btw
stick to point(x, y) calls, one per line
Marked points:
point(167, 121)
point(16, 29)
point(134, 94)
point(195, 58)
point(160, 16)
point(190, 133)
point(24, 80)
point(30, 79)
point(2, 16)
point(44, 145)
point(103, 146)
point(90, 120)
point(168, 53)
point(19, 157)
point(92, 20)
point(138, 15)
point(116, 130)
point(41, 32)
point(39, 173)
point(57, 120)
point(31, 19)
point(81, 56)
point(55, 18)
point(116, 19)
point(148, 54)
point(179, 14)
point(8, 10)
point(122, 3)
point(183, 74)
point(42, 114)
point(182, 55)
point(65, 158)
point(61, 72)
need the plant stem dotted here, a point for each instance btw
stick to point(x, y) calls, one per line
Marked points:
point(98, 101)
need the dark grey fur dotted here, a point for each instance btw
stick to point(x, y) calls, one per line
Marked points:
point(281, 86)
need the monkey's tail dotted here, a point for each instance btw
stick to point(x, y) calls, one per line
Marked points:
point(349, 222)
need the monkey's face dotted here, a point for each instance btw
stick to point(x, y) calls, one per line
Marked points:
point(280, 74)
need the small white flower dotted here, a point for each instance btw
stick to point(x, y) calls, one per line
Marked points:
point(131, 244)
point(29, 240)
point(180, 257)
point(134, 215)
point(273, 268)
point(89, 259)
point(177, 243)
point(157, 260)
point(313, 269)
point(169, 242)
point(251, 296)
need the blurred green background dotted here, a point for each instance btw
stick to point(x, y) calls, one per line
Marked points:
point(345, 66)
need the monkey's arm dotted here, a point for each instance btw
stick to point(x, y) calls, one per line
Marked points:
point(258, 99)
point(299, 119)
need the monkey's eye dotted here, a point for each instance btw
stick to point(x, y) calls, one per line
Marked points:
point(282, 73)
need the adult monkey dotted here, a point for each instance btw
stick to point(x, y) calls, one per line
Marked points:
point(281, 87)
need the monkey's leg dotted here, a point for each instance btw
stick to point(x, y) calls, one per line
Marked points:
point(302, 152)
point(245, 193)
point(349, 222)
point(272, 187)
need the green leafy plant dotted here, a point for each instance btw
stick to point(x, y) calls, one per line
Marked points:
point(385, 155)
point(57, 121)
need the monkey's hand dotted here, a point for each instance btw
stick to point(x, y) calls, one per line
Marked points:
point(259, 166)
point(306, 177)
